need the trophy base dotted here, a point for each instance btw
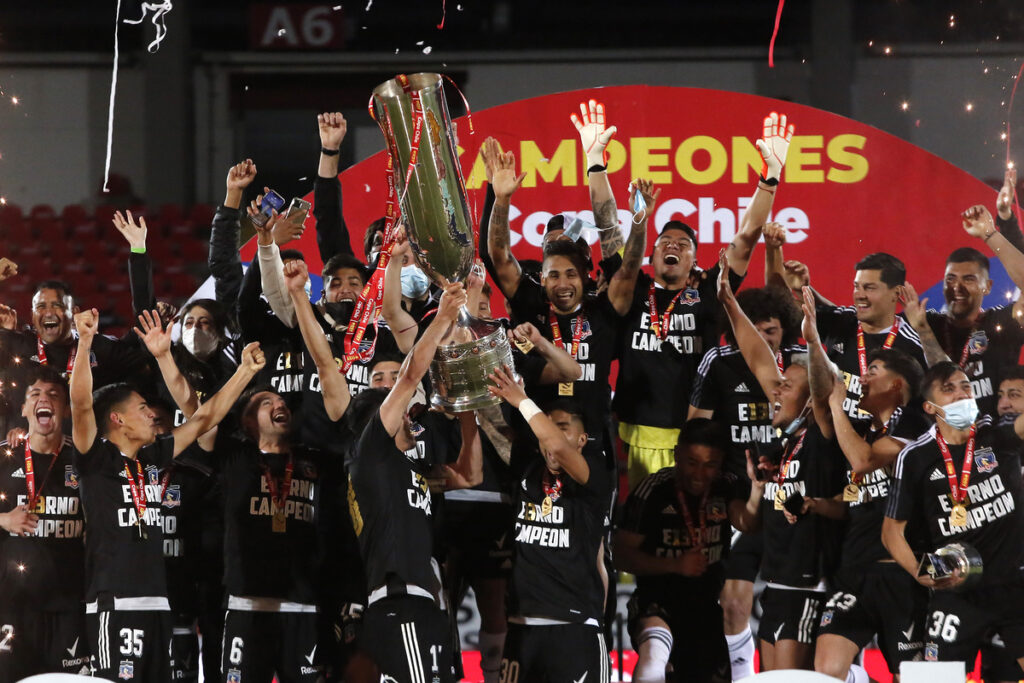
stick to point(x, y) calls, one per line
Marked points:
point(460, 372)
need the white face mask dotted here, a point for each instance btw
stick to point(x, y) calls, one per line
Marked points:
point(200, 343)
point(959, 414)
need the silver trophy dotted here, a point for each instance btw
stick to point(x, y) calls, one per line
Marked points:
point(954, 557)
point(440, 229)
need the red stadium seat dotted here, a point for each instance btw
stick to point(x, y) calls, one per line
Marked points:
point(19, 233)
point(194, 252)
point(42, 212)
point(96, 252)
point(104, 218)
point(170, 213)
point(74, 215)
point(201, 215)
point(10, 214)
point(47, 230)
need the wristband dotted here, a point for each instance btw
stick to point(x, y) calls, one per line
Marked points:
point(330, 152)
point(986, 237)
point(769, 181)
point(138, 250)
point(528, 408)
point(596, 168)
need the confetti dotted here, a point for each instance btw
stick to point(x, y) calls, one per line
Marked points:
point(427, 50)
point(419, 42)
point(281, 32)
point(336, 8)
point(775, 33)
point(444, 12)
point(369, 4)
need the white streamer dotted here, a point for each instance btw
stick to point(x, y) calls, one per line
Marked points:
point(158, 20)
point(113, 93)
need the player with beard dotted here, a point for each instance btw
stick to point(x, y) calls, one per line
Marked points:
point(558, 584)
point(799, 513)
point(42, 625)
point(874, 597)
point(673, 319)
point(960, 482)
point(674, 535)
point(728, 391)
point(115, 440)
point(851, 332)
point(404, 630)
point(983, 342)
point(51, 342)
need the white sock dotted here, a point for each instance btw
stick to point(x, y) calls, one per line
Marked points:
point(741, 654)
point(655, 649)
point(857, 674)
point(491, 645)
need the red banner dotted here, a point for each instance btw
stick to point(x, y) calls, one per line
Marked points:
point(847, 189)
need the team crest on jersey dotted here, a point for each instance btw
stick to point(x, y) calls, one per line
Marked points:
point(153, 475)
point(586, 331)
point(690, 297)
point(172, 497)
point(126, 670)
point(931, 652)
point(985, 460)
point(716, 510)
point(826, 618)
point(70, 477)
point(234, 676)
point(977, 343)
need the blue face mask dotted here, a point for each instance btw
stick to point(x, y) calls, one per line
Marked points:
point(960, 414)
point(414, 282)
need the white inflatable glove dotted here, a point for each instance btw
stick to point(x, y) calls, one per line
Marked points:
point(593, 135)
point(774, 145)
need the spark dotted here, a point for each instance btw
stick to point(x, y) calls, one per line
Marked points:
point(985, 70)
point(1009, 164)
point(871, 43)
point(887, 50)
point(998, 328)
point(3, 496)
point(1002, 136)
point(14, 99)
point(905, 105)
point(3, 200)
point(1009, 294)
point(969, 106)
point(21, 567)
point(458, 7)
point(7, 452)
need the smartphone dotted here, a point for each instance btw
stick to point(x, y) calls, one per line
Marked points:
point(935, 566)
point(298, 210)
point(272, 202)
point(795, 504)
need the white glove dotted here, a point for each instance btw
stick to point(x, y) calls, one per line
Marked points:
point(774, 145)
point(593, 135)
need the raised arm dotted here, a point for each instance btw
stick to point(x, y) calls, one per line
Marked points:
point(977, 222)
point(489, 152)
point(272, 271)
point(332, 381)
point(1006, 217)
point(403, 326)
point(822, 375)
point(774, 270)
point(754, 349)
point(416, 364)
point(157, 339)
point(140, 266)
point(8, 268)
point(916, 312)
point(332, 235)
point(468, 470)
point(560, 366)
point(594, 137)
point(623, 283)
point(499, 246)
point(225, 264)
point(549, 436)
point(217, 407)
point(83, 421)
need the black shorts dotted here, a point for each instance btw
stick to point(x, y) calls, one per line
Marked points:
point(130, 646)
point(409, 640)
point(564, 652)
point(789, 615)
point(257, 645)
point(744, 559)
point(477, 535)
point(34, 642)
point(883, 600)
point(698, 634)
point(184, 652)
point(957, 623)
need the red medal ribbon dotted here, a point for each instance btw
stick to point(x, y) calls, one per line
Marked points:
point(659, 324)
point(41, 355)
point(778, 362)
point(553, 492)
point(556, 332)
point(279, 496)
point(862, 354)
point(697, 535)
point(30, 477)
point(965, 352)
point(164, 482)
point(788, 458)
point(138, 499)
point(957, 490)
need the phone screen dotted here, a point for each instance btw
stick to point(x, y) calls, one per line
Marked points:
point(272, 201)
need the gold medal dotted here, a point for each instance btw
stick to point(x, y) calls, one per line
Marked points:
point(545, 507)
point(851, 494)
point(523, 344)
point(780, 499)
point(958, 517)
point(280, 522)
point(565, 388)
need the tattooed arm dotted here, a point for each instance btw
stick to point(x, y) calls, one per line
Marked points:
point(505, 182)
point(623, 283)
point(606, 215)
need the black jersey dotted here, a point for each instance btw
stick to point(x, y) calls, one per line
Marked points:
point(43, 570)
point(862, 543)
point(123, 555)
point(184, 486)
point(264, 555)
point(727, 387)
point(992, 345)
point(656, 375)
point(802, 554)
point(358, 375)
point(652, 510)
point(838, 329)
point(496, 472)
point(555, 572)
point(598, 326)
point(995, 519)
point(390, 506)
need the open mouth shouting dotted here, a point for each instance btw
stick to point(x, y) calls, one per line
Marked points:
point(44, 417)
point(280, 416)
point(671, 259)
